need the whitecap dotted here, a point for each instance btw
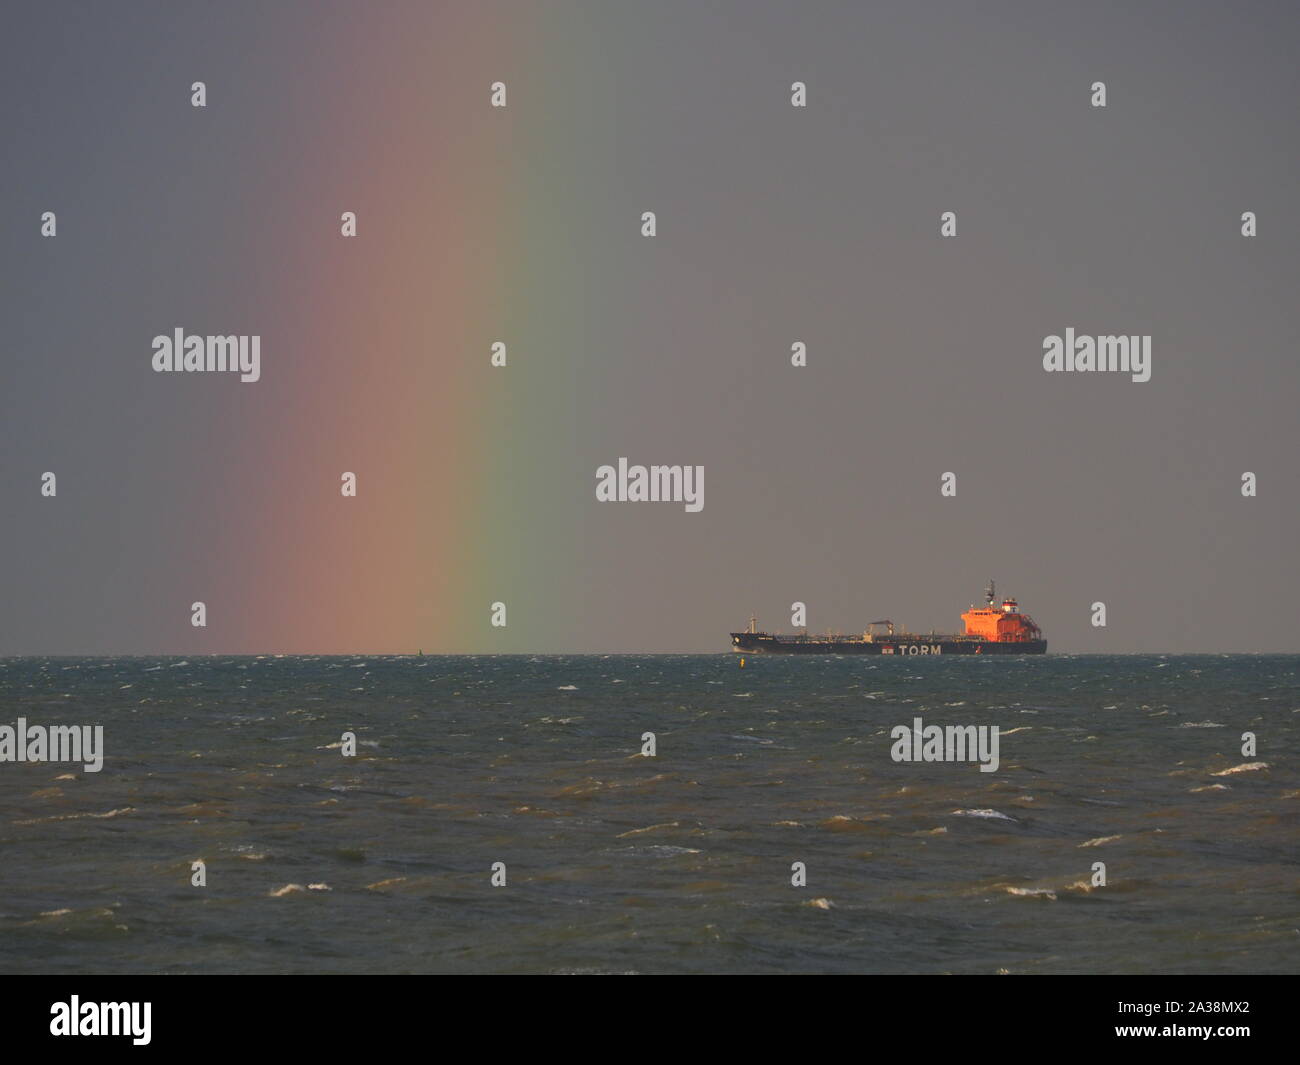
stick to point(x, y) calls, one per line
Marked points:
point(1245, 767)
point(1034, 893)
point(994, 815)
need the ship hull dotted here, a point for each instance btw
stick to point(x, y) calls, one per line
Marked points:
point(758, 643)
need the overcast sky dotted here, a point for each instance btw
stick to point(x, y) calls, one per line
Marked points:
point(775, 225)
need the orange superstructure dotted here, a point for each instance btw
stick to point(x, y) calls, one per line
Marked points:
point(1004, 624)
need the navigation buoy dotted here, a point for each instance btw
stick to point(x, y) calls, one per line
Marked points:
point(742, 663)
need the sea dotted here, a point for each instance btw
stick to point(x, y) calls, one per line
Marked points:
point(647, 814)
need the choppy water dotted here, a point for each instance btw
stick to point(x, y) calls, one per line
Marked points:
point(679, 863)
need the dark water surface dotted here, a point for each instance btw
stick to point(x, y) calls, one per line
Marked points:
point(678, 863)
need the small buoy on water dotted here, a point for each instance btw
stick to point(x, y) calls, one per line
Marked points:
point(742, 663)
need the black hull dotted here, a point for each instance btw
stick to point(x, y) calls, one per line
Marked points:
point(761, 643)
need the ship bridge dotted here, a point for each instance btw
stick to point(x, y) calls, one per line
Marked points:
point(1002, 623)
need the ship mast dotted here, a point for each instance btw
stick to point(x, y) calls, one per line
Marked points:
point(990, 592)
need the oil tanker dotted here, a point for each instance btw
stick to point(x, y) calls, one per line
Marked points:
point(990, 630)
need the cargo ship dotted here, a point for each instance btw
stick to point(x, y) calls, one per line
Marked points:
point(990, 630)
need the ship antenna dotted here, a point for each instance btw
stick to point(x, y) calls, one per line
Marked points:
point(991, 593)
